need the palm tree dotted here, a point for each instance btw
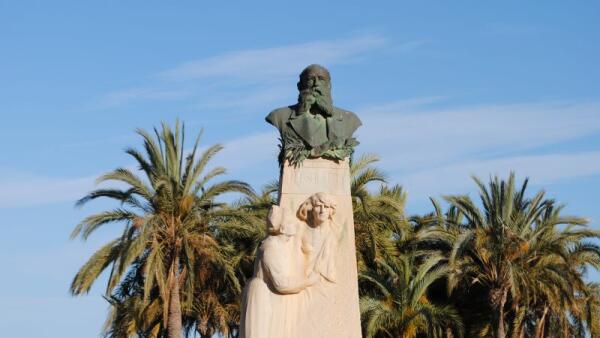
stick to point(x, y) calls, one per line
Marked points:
point(169, 215)
point(379, 216)
point(393, 280)
point(591, 308)
point(395, 301)
point(564, 301)
point(516, 250)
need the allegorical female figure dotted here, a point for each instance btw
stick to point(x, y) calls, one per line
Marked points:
point(290, 263)
point(272, 303)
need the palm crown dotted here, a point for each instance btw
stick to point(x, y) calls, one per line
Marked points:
point(168, 215)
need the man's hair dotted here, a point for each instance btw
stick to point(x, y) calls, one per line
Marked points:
point(310, 202)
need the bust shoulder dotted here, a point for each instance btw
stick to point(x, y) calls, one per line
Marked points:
point(350, 121)
point(346, 114)
point(280, 116)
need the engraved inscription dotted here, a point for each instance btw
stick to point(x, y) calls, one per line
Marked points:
point(304, 181)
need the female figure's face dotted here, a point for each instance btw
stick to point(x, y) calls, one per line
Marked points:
point(321, 212)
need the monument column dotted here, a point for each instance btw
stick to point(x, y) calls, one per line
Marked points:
point(333, 309)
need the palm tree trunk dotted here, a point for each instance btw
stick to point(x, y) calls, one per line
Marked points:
point(500, 330)
point(174, 327)
point(539, 326)
point(500, 333)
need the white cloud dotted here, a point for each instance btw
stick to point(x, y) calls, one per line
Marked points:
point(417, 138)
point(275, 62)
point(239, 156)
point(434, 151)
point(542, 169)
point(249, 77)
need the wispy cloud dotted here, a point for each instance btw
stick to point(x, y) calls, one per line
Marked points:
point(456, 178)
point(241, 156)
point(251, 76)
point(270, 63)
point(418, 137)
point(433, 151)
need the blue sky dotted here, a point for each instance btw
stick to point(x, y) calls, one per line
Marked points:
point(444, 89)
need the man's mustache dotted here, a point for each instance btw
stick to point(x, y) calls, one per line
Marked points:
point(316, 92)
point(322, 101)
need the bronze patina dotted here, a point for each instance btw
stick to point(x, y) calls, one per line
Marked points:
point(314, 127)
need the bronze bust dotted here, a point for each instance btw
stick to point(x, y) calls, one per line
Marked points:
point(314, 127)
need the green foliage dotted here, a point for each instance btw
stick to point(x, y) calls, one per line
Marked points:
point(393, 281)
point(394, 301)
point(167, 266)
point(516, 265)
point(295, 150)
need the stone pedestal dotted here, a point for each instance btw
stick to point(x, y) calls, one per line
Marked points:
point(334, 308)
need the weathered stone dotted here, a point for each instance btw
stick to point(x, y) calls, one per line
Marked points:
point(305, 283)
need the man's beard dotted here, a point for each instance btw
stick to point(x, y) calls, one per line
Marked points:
point(322, 101)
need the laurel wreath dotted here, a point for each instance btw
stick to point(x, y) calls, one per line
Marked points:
point(294, 150)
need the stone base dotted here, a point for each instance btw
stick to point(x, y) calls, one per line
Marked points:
point(334, 309)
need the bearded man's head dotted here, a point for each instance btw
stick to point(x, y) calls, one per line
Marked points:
point(315, 91)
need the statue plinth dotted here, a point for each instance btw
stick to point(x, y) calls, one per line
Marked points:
point(333, 310)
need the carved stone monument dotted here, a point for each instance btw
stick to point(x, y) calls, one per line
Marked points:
point(305, 278)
